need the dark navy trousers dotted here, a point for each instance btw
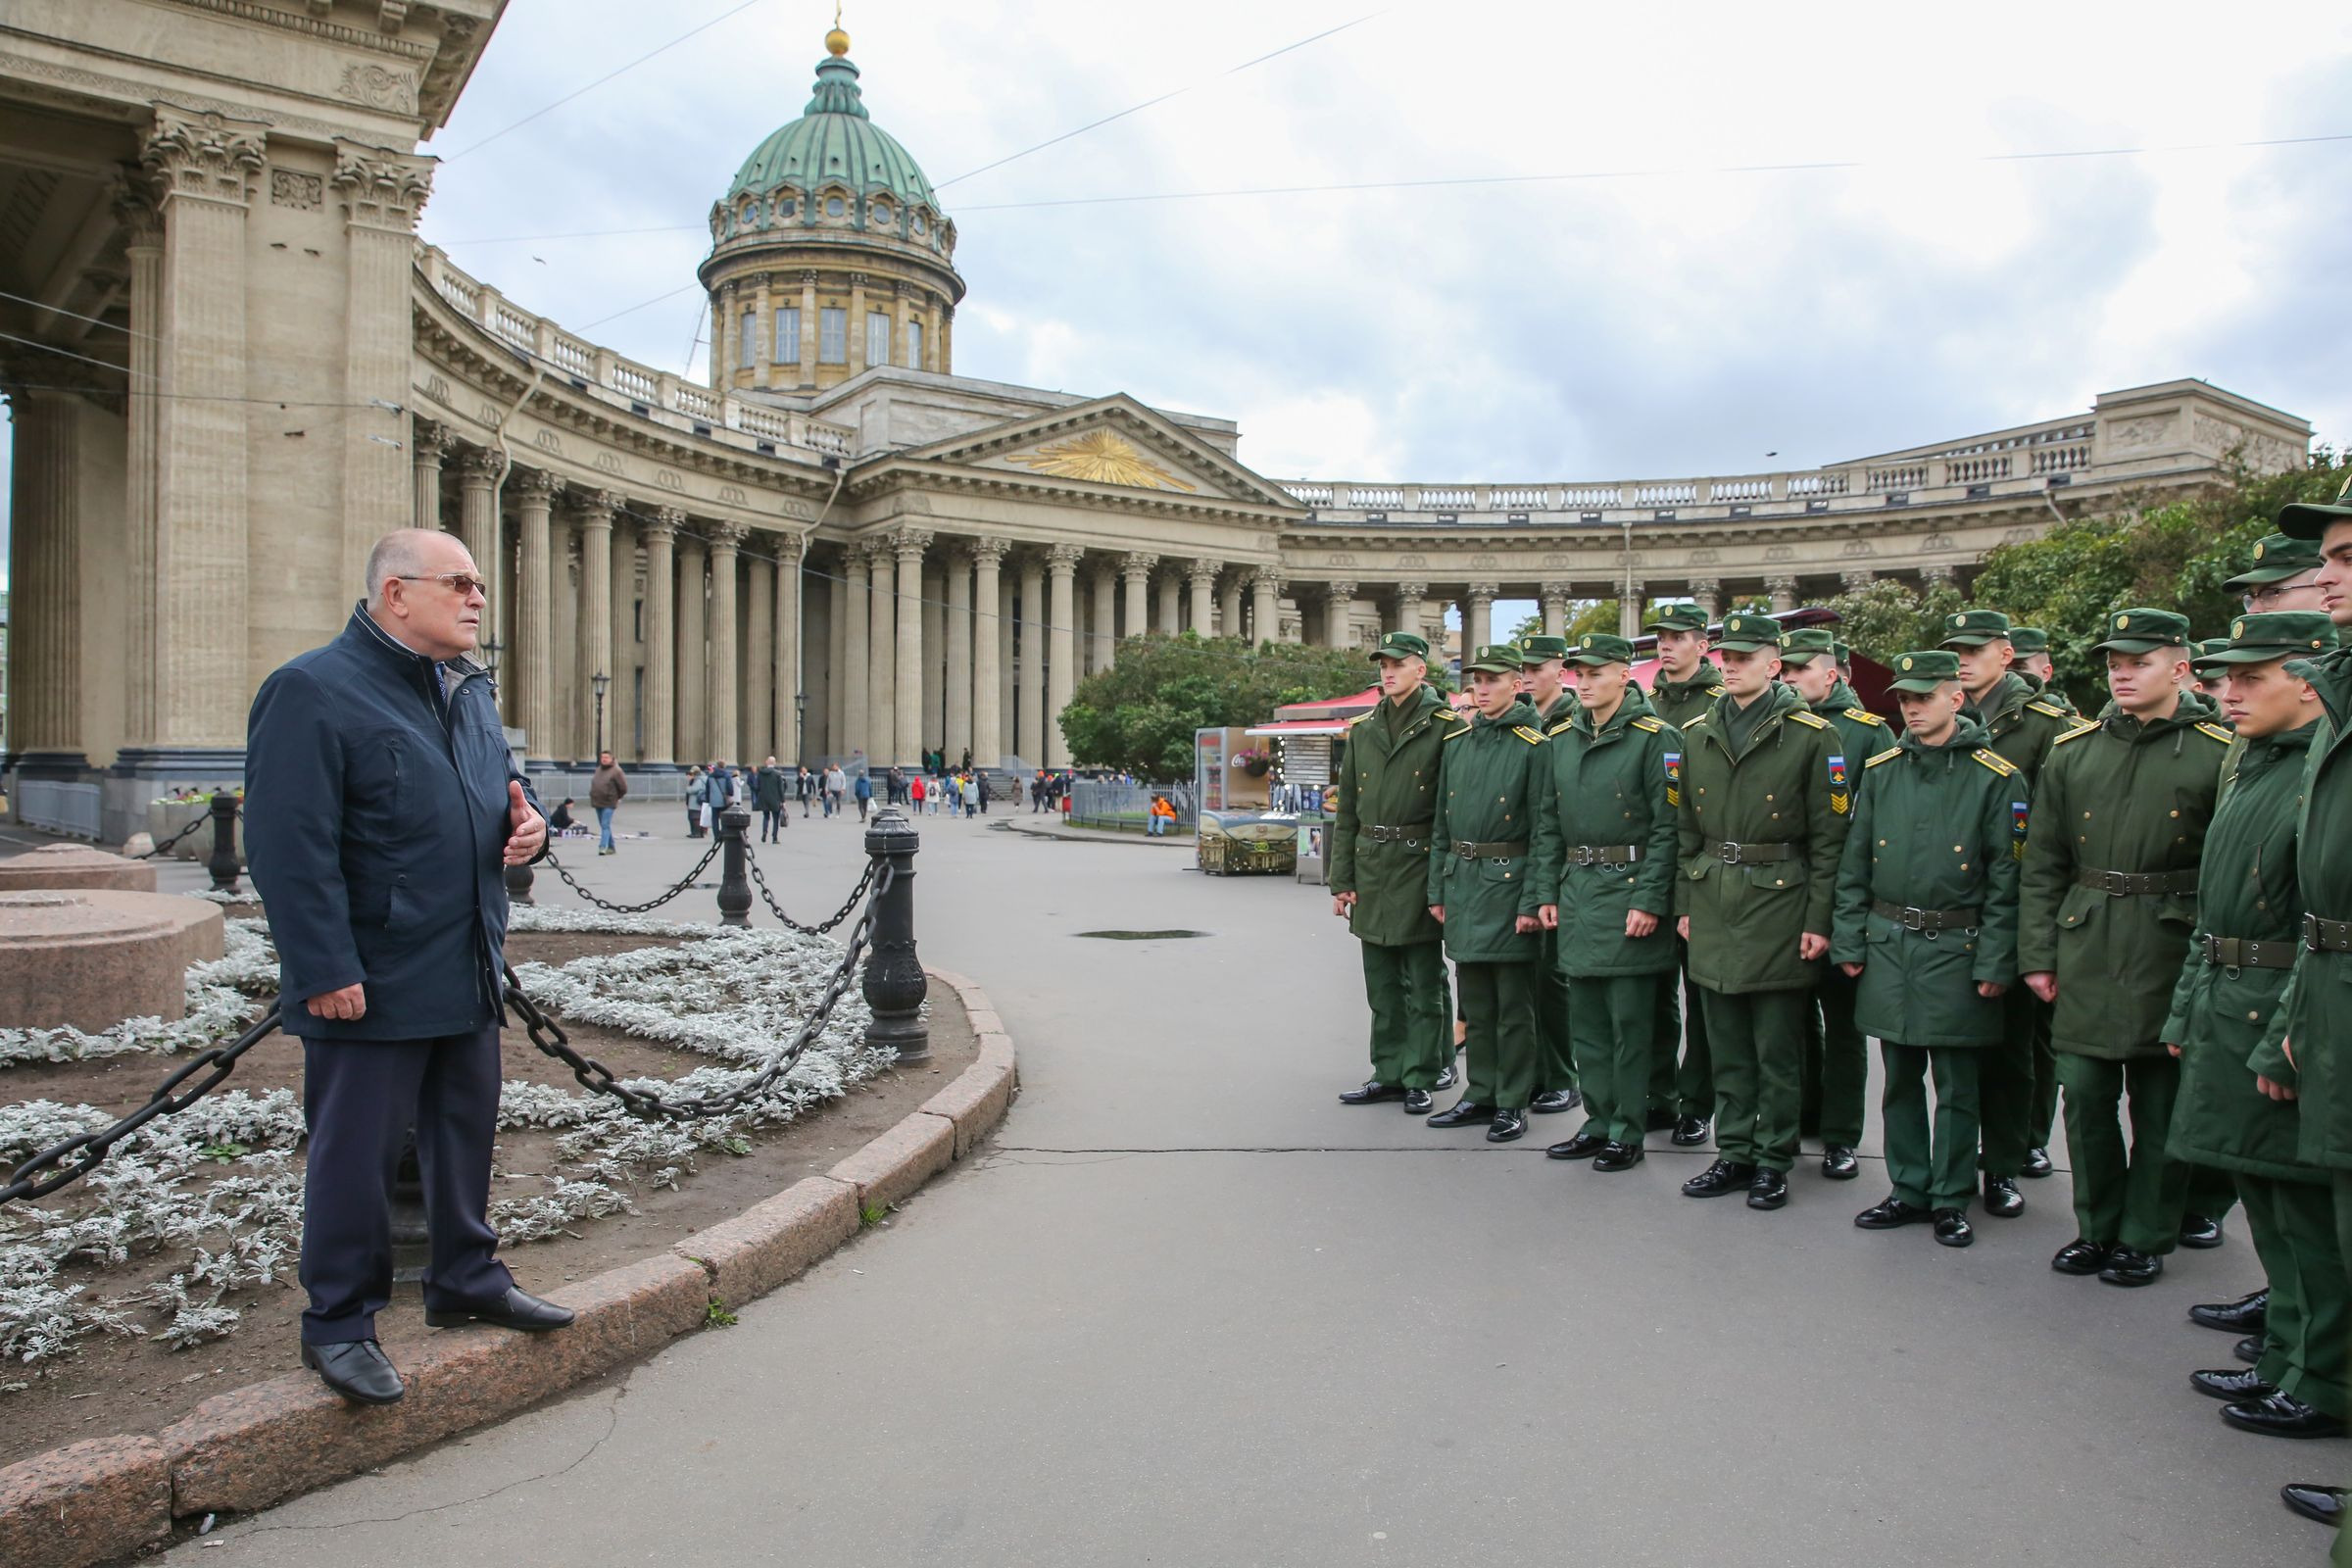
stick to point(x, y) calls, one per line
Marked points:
point(360, 1099)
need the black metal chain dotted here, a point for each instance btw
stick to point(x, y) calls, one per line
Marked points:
point(760, 881)
point(680, 886)
point(202, 817)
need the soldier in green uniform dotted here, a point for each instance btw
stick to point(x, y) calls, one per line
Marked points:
point(1481, 890)
point(1837, 1056)
point(2032, 645)
point(1605, 860)
point(1379, 859)
point(1766, 796)
point(2249, 928)
point(2016, 1081)
point(2104, 920)
point(1686, 685)
point(1926, 923)
point(2283, 574)
point(1544, 682)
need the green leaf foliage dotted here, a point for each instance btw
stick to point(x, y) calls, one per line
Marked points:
point(1891, 617)
point(1138, 714)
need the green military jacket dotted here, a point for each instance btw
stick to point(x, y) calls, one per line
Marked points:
point(1388, 782)
point(1939, 830)
point(1607, 788)
point(1678, 703)
point(2315, 1012)
point(2044, 692)
point(1792, 784)
point(1564, 708)
point(1864, 732)
point(2246, 888)
point(2116, 795)
point(2020, 721)
point(1491, 771)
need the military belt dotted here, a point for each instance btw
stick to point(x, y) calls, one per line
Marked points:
point(1509, 850)
point(2239, 952)
point(1753, 853)
point(1413, 838)
point(2327, 936)
point(1913, 918)
point(2137, 883)
point(1602, 853)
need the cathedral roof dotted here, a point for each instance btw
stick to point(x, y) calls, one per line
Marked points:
point(835, 142)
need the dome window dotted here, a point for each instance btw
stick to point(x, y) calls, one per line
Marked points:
point(748, 215)
point(916, 221)
point(785, 207)
point(834, 207)
point(882, 214)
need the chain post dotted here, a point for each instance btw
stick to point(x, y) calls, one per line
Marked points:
point(894, 983)
point(734, 887)
point(223, 862)
point(518, 879)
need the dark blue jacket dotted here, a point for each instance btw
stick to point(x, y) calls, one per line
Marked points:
point(375, 823)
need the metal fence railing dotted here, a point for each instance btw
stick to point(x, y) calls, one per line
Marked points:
point(1127, 808)
point(60, 806)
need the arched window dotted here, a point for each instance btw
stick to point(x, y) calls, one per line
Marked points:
point(834, 207)
point(786, 206)
point(748, 215)
point(881, 215)
point(917, 224)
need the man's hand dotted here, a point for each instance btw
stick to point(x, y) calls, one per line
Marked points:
point(1524, 924)
point(1991, 989)
point(2174, 1049)
point(1549, 915)
point(349, 1003)
point(1437, 912)
point(2044, 985)
point(2286, 1047)
point(1639, 922)
point(1812, 944)
point(1681, 927)
point(1853, 971)
point(2273, 1088)
point(1341, 903)
point(526, 829)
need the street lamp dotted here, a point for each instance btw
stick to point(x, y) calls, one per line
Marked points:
point(490, 652)
point(601, 683)
point(799, 728)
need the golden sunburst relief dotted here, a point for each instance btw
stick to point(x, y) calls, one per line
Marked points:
point(1105, 459)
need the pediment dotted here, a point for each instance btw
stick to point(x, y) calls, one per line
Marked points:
point(1112, 442)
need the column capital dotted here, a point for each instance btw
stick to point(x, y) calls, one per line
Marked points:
point(1203, 571)
point(1553, 593)
point(726, 536)
point(203, 155)
point(790, 548)
point(533, 486)
point(380, 188)
point(1062, 559)
point(1780, 585)
point(1854, 581)
point(1268, 578)
point(1484, 590)
point(1705, 587)
point(986, 551)
point(1409, 593)
point(134, 198)
point(909, 544)
point(1136, 566)
point(1942, 572)
point(479, 465)
point(592, 506)
point(662, 523)
point(429, 440)
point(1340, 588)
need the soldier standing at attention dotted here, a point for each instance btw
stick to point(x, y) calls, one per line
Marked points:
point(1605, 860)
point(1926, 923)
point(2105, 913)
point(1837, 1056)
point(1686, 685)
point(1481, 891)
point(1379, 848)
point(1766, 797)
point(2284, 575)
point(1547, 685)
point(2032, 645)
point(2249, 929)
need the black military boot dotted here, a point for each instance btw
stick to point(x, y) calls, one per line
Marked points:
point(1583, 1146)
point(1952, 1228)
point(2081, 1255)
point(1372, 1093)
point(1506, 1124)
point(1465, 1112)
point(2038, 1164)
point(2200, 1231)
point(1723, 1176)
point(1768, 1189)
point(1888, 1212)
point(2002, 1199)
point(1690, 1131)
point(1552, 1102)
point(1619, 1157)
point(2128, 1267)
point(2248, 1314)
point(1839, 1165)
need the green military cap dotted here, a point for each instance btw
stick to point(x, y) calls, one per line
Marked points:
point(2256, 639)
point(1683, 616)
point(1496, 659)
point(1535, 650)
point(1807, 644)
point(2308, 520)
point(2276, 558)
point(1744, 631)
point(2204, 646)
point(1599, 648)
point(1925, 670)
point(1974, 628)
point(2140, 631)
point(1843, 651)
point(2028, 639)
point(1402, 645)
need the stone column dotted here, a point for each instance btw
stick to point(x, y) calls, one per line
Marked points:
point(1033, 723)
point(44, 568)
point(1203, 576)
point(957, 629)
point(1135, 570)
point(1942, 575)
point(1554, 596)
point(204, 166)
point(1171, 605)
point(382, 192)
point(1229, 605)
point(1100, 648)
point(1061, 658)
point(592, 510)
point(882, 652)
point(1339, 613)
point(807, 376)
point(693, 651)
point(854, 672)
point(143, 250)
point(857, 357)
point(428, 444)
point(1006, 665)
point(722, 725)
point(479, 471)
point(787, 692)
point(621, 653)
point(934, 602)
point(1782, 590)
point(1854, 582)
point(756, 724)
point(563, 643)
point(1265, 604)
point(1630, 601)
point(533, 674)
point(1478, 618)
point(763, 334)
point(1708, 594)
point(988, 661)
point(660, 534)
point(908, 545)
point(1405, 608)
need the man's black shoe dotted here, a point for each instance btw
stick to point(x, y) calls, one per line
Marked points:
point(1661, 1120)
point(2322, 1503)
point(2200, 1231)
point(2127, 1266)
point(2082, 1257)
point(1446, 1079)
point(1888, 1213)
point(356, 1369)
point(2232, 1384)
point(1952, 1228)
point(2002, 1199)
point(1416, 1102)
point(1506, 1125)
point(1372, 1093)
point(517, 1309)
point(2248, 1314)
point(2248, 1349)
point(2282, 1415)
point(1552, 1102)
point(1465, 1112)
point(1690, 1131)
point(1839, 1165)
point(2038, 1163)
point(1723, 1176)
point(1768, 1189)
point(1619, 1157)
point(1583, 1146)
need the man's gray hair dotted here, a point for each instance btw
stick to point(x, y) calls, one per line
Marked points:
point(395, 554)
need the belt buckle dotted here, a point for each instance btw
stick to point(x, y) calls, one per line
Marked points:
point(1913, 918)
point(1583, 855)
point(1728, 854)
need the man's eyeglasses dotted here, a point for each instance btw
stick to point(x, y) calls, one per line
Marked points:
point(465, 583)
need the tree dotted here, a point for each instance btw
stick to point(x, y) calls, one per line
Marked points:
point(1138, 714)
point(1891, 617)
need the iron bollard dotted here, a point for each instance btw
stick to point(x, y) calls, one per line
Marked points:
point(518, 879)
point(224, 864)
point(734, 885)
point(895, 982)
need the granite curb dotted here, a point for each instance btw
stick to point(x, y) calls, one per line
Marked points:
point(103, 1498)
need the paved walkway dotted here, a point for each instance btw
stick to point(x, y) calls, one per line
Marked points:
point(1191, 1311)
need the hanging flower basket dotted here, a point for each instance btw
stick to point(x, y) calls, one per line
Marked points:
point(1256, 764)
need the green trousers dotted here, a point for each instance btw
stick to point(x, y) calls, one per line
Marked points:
point(1836, 1063)
point(2307, 1332)
point(1931, 1169)
point(1499, 1001)
point(2019, 1083)
point(2211, 1193)
point(1614, 1020)
point(2132, 1196)
point(1412, 1024)
point(1758, 1041)
point(1556, 1047)
point(1681, 1023)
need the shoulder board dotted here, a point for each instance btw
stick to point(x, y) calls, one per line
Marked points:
point(1996, 761)
point(1863, 716)
point(2077, 733)
point(1532, 737)
point(1360, 717)
point(1561, 727)
point(2217, 732)
point(2053, 709)
point(1647, 723)
point(1457, 734)
point(1693, 720)
point(1886, 756)
point(1810, 720)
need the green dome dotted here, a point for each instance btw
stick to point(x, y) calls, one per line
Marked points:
point(834, 142)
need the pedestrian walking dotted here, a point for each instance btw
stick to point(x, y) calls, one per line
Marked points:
point(768, 795)
point(606, 788)
point(694, 801)
point(917, 789)
point(802, 788)
point(863, 788)
point(837, 789)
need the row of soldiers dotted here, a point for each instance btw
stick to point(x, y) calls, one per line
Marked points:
point(1747, 863)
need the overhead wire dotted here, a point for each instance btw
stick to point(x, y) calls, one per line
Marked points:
point(197, 397)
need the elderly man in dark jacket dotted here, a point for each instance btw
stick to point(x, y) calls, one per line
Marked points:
point(388, 806)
